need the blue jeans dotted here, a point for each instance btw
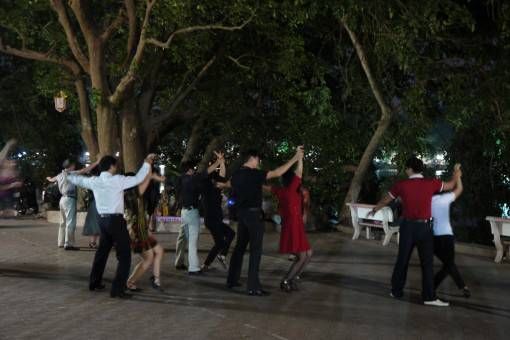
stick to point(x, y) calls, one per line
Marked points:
point(189, 229)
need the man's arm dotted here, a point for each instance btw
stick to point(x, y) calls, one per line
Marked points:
point(278, 172)
point(51, 179)
point(81, 181)
point(87, 169)
point(127, 182)
point(7, 147)
point(458, 187)
point(381, 204)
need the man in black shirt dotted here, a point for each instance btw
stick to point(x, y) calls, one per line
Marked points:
point(221, 233)
point(188, 194)
point(247, 188)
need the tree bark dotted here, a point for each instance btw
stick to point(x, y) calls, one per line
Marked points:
point(88, 133)
point(193, 142)
point(133, 146)
point(382, 126)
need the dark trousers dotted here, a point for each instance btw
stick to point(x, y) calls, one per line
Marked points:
point(113, 232)
point(250, 230)
point(222, 235)
point(413, 234)
point(444, 249)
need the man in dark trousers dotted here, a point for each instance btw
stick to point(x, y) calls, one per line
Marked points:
point(415, 194)
point(108, 189)
point(188, 194)
point(247, 184)
point(222, 234)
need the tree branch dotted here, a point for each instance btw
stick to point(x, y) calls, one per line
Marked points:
point(25, 53)
point(81, 14)
point(72, 39)
point(236, 61)
point(130, 76)
point(191, 29)
point(113, 27)
point(132, 25)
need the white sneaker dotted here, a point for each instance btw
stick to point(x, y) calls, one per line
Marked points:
point(436, 303)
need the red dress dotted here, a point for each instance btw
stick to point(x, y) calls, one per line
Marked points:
point(293, 237)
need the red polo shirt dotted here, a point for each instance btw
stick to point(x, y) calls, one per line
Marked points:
point(416, 195)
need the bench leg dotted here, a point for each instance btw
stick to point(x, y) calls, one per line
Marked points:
point(368, 233)
point(356, 232)
point(387, 238)
point(499, 251)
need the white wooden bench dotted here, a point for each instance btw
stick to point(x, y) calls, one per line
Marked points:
point(381, 220)
point(499, 227)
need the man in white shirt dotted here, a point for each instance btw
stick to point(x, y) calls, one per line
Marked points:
point(67, 203)
point(444, 241)
point(108, 189)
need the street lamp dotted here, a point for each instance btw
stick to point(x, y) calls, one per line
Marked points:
point(60, 101)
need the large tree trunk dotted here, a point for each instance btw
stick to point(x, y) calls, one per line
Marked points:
point(88, 133)
point(133, 146)
point(382, 126)
point(193, 144)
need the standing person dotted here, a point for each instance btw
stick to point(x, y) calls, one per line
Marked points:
point(143, 243)
point(91, 226)
point(222, 234)
point(415, 194)
point(108, 190)
point(293, 238)
point(67, 203)
point(247, 187)
point(444, 241)
point(188, 192)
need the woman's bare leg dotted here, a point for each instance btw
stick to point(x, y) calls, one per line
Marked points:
point(141, 267)
point(158, 257)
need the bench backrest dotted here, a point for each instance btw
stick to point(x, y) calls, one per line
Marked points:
point(360, 211)
point(503, 222)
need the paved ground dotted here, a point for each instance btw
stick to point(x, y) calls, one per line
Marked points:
point(43, 295)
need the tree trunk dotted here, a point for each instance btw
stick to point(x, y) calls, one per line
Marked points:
point(133, 147)
point(213, 145)
point(193, 142)
point(88, 132)
point(382, 126)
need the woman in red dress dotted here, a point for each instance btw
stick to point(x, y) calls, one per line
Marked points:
point(293, 238)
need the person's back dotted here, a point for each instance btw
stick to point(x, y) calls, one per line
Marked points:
point(247, 187)
point(441, 213)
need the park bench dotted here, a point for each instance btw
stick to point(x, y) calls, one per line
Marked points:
point(500, 227)
point(382, 219)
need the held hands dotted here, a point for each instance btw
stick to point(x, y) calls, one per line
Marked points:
point(457, 172)
point(220, 156)
point(150, 158)
point(300, 152)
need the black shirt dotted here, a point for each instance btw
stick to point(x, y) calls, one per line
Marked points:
point(188, 189)
point(211, 196)
point(247, 187)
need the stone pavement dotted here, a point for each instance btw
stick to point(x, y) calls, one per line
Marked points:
point(344, 295)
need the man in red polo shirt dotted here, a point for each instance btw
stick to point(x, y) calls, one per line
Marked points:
point(415, 194)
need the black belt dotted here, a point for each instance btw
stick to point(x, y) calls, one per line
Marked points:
point(418, 221)
point(190, 207)
point(110, 215)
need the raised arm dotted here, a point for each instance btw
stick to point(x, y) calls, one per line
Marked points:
point(223, 168)
point(81, 181)
point(299, 168)
point(450, 185)
point(145, 184)
point(87, 169)
point(51, 179)
point(219, 158)
point(458, 187)
point(278, 172)
point(7, 147)
point(127, 182)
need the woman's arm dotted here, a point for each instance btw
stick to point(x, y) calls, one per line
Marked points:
point(299, 168)
point(87, 169)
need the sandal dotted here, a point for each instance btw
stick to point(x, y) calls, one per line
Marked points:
point(132, 287)
point(155, 283)
point(93, 245)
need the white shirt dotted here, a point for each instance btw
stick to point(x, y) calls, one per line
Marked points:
point(109, 189)
point(441, 213)
point(64, 186)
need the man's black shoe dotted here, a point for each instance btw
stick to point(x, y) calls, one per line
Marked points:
point(121, 295)
point(233, 285)
point(258, 292)
point(94, 287)
point(181, 267)
point(71, 248)
point(197, 273)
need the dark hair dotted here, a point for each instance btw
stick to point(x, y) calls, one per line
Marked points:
point(247, 154)
point(106, 163)
point(68, 163)
point(415, 164)
point(188, 165)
